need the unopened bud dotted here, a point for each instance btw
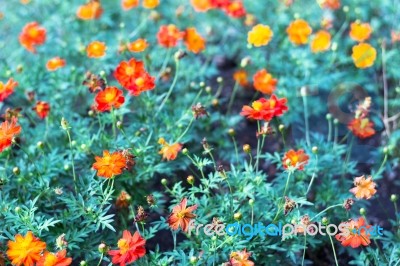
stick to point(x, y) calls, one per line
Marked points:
point(83, 263)
point(237, 216)
point(328, 117)
point(16, 171)
point(231, 132)
point(193, 260)
point(245, 61)
point(215, 102)
point(190, 179)
point(164, 182)
point(363, 211)
point(208, 89)
point(335, 121)
point(281, 127)
point(220, 79)
point(393, 198)
point(119, 124)
point(40, 145)
point(64, 124)
point(185, 151)
point(103, 248)
point(324, 221)
point(251, 202)
point(202, 84)
point(247, 148)
point(314, 149)
point(385, 150)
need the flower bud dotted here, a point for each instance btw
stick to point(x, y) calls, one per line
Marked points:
point(16, 171)
point(245, 61)
point(346, 9)
point(83, 146)
point(215, 102)
point(190, 179)
point(220, 79)
point(164, 181)
point(303, 91)
point(208, 89)
point(386, 150)
point(193, 260)
point(17, 209)
point(64, 124)
point(314, 149)
point(119, 124)
point(335, 121)
point(328, 117)
point(103, 248)
point(251, 202)
point(66, 167)
point(393, 198)
point(202, 84)
point(237, 216)
point(231, 132)
point(214, 238)
point(281, 127)
point(179, 55)
point(91, 113)
point(20, 68)
point(324, 221)
point(363, 211)
point(83, 263)
point(185, 151)
point(40, 145)
point(246, 148)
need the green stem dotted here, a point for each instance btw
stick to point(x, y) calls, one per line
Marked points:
point(29, 159)
point(306, 120)
point(186, 130)
point(314, 174)
point(304, 250)
point(114, 121)
point(235, 88)
point(283, 197)
point(164, 64)
point(171, 88)
point(236, 149)
point(72, 159)
point(258, 146)
point(101, 259)
point(382, 165)
point(333, 248)
point(322, 212)
point(329, 129)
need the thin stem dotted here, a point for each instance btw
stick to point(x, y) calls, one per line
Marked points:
point(329, 129)
point(72, 159)
point(304, 250)
point(236, 149)
point(385, 91)
point(333, 248)
point(164, 64)
point(252, 215)
point(30, 159)
point(101, 259)
point(322, 212)
point(336, 135)
point(314, 174)
point(306, 119)
point(258, 146)
point(235, 88)
point(347, 157)
point(186, 130)
point(174, 238)
point(134, 215)
point(114, 121)
point(283, 197)
point(171, 88)
point(382, 165)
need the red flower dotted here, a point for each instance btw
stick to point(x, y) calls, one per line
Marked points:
point(131, 248)
point(169, 35)
point(265, 109)
point(353, 238)
point(235, 9)
point(51, 259)
point(133, 76)
point(181, 216)
point(362, 127)
point(295, 159)
point(32, 35)
point(7, 89)
point(109, 98)
point(42, 109)
point(219, 3)
point(8, 130)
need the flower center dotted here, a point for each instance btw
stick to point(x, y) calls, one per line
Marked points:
point(123, 245)
point(139, 82)
point(129, 71)
point(257, 105)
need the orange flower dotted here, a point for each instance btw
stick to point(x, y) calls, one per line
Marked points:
point(133, 76)
point(330, 4)
point(362, 127)
point(7, 89)
point(42, 109)
point(321, 41)
point(241, 258)
point(8, 131)
point(354, 239)
point(123, 200)
point(31, 36)
point(235, 9)
point(260, 35)
point(109, 98)
point(240, 76)
point(129, 4)
point(138, 46)
point(55, 63)
point(364, 188)
point(298, 32)
point(96, 49)
point(58, 259)
point(169, 35)
point(360, 31)
point(150, 4)
point(89, 11)
point(131, 248)
point(110, 165)
point(25, 250)
point(181, 216)
point(295, 160)
point(194, 41)
point(264, 82)
point(265, 109)
point(395, 36)
point(363, 55)
point(201, 5)
point(169, 151)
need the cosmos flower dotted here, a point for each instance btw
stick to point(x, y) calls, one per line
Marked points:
point(25, 250)
point(264, 82)
point(8, 131)
point(194, 41)
point(169, 151)
point(364, 187)
point(42, 109)
point(265, 109)
point(201, 5)
point(55, 63)
point(150, 4)
point(169, 35)
point(129, 4)
point(321, 41)
point(130, 249)
point(363, 55)
point(295, 160)
point(110, 97)
point(354, 239)
point(110, 165)
point(360, 32)
point(32, 35)
point(299, 31)
point(260, 35)
point(96, 49)
point(138, 46)
point(89, 11)
point(181, 216)
point(362, 127)
point(240, 76)
point(57, 259)
point(240, 258)
point(7, 89)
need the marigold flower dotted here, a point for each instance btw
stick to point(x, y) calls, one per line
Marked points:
point(7, 89)
point(364, 187)
point(131, 248)
point(260, 35)
point(321, 42)
point(138, 46)
point(354, 239)
point(240, 76)
point(363, 55)
point(133, 76)
point(235, 9)
point(240, 258)
point(89, 11)
point(129, 4)
point(265, 109)
point(169, 151)
point(96, 49)
point(330, 4)
point(110, 165)
point(181, 216)
point(25, 250)
point(8, 131)
point(360, 31)
point(123, 200)
point(169, 35)
point(150, 4)
point(32, 35)
point(362, 128)
point(194, 41)
point(55, 63)
point(298, 31)
point(109, 98)
point(295, 159)
point(42, 109)
point(264, 82)
point(58, 259)
point(201, 5)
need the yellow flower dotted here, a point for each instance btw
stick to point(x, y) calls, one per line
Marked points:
point(321, 41)
point(360, 31)
point(150, 4)
point(25, 250)
point(364, 55)
point(260, 35)
point(298, 31)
